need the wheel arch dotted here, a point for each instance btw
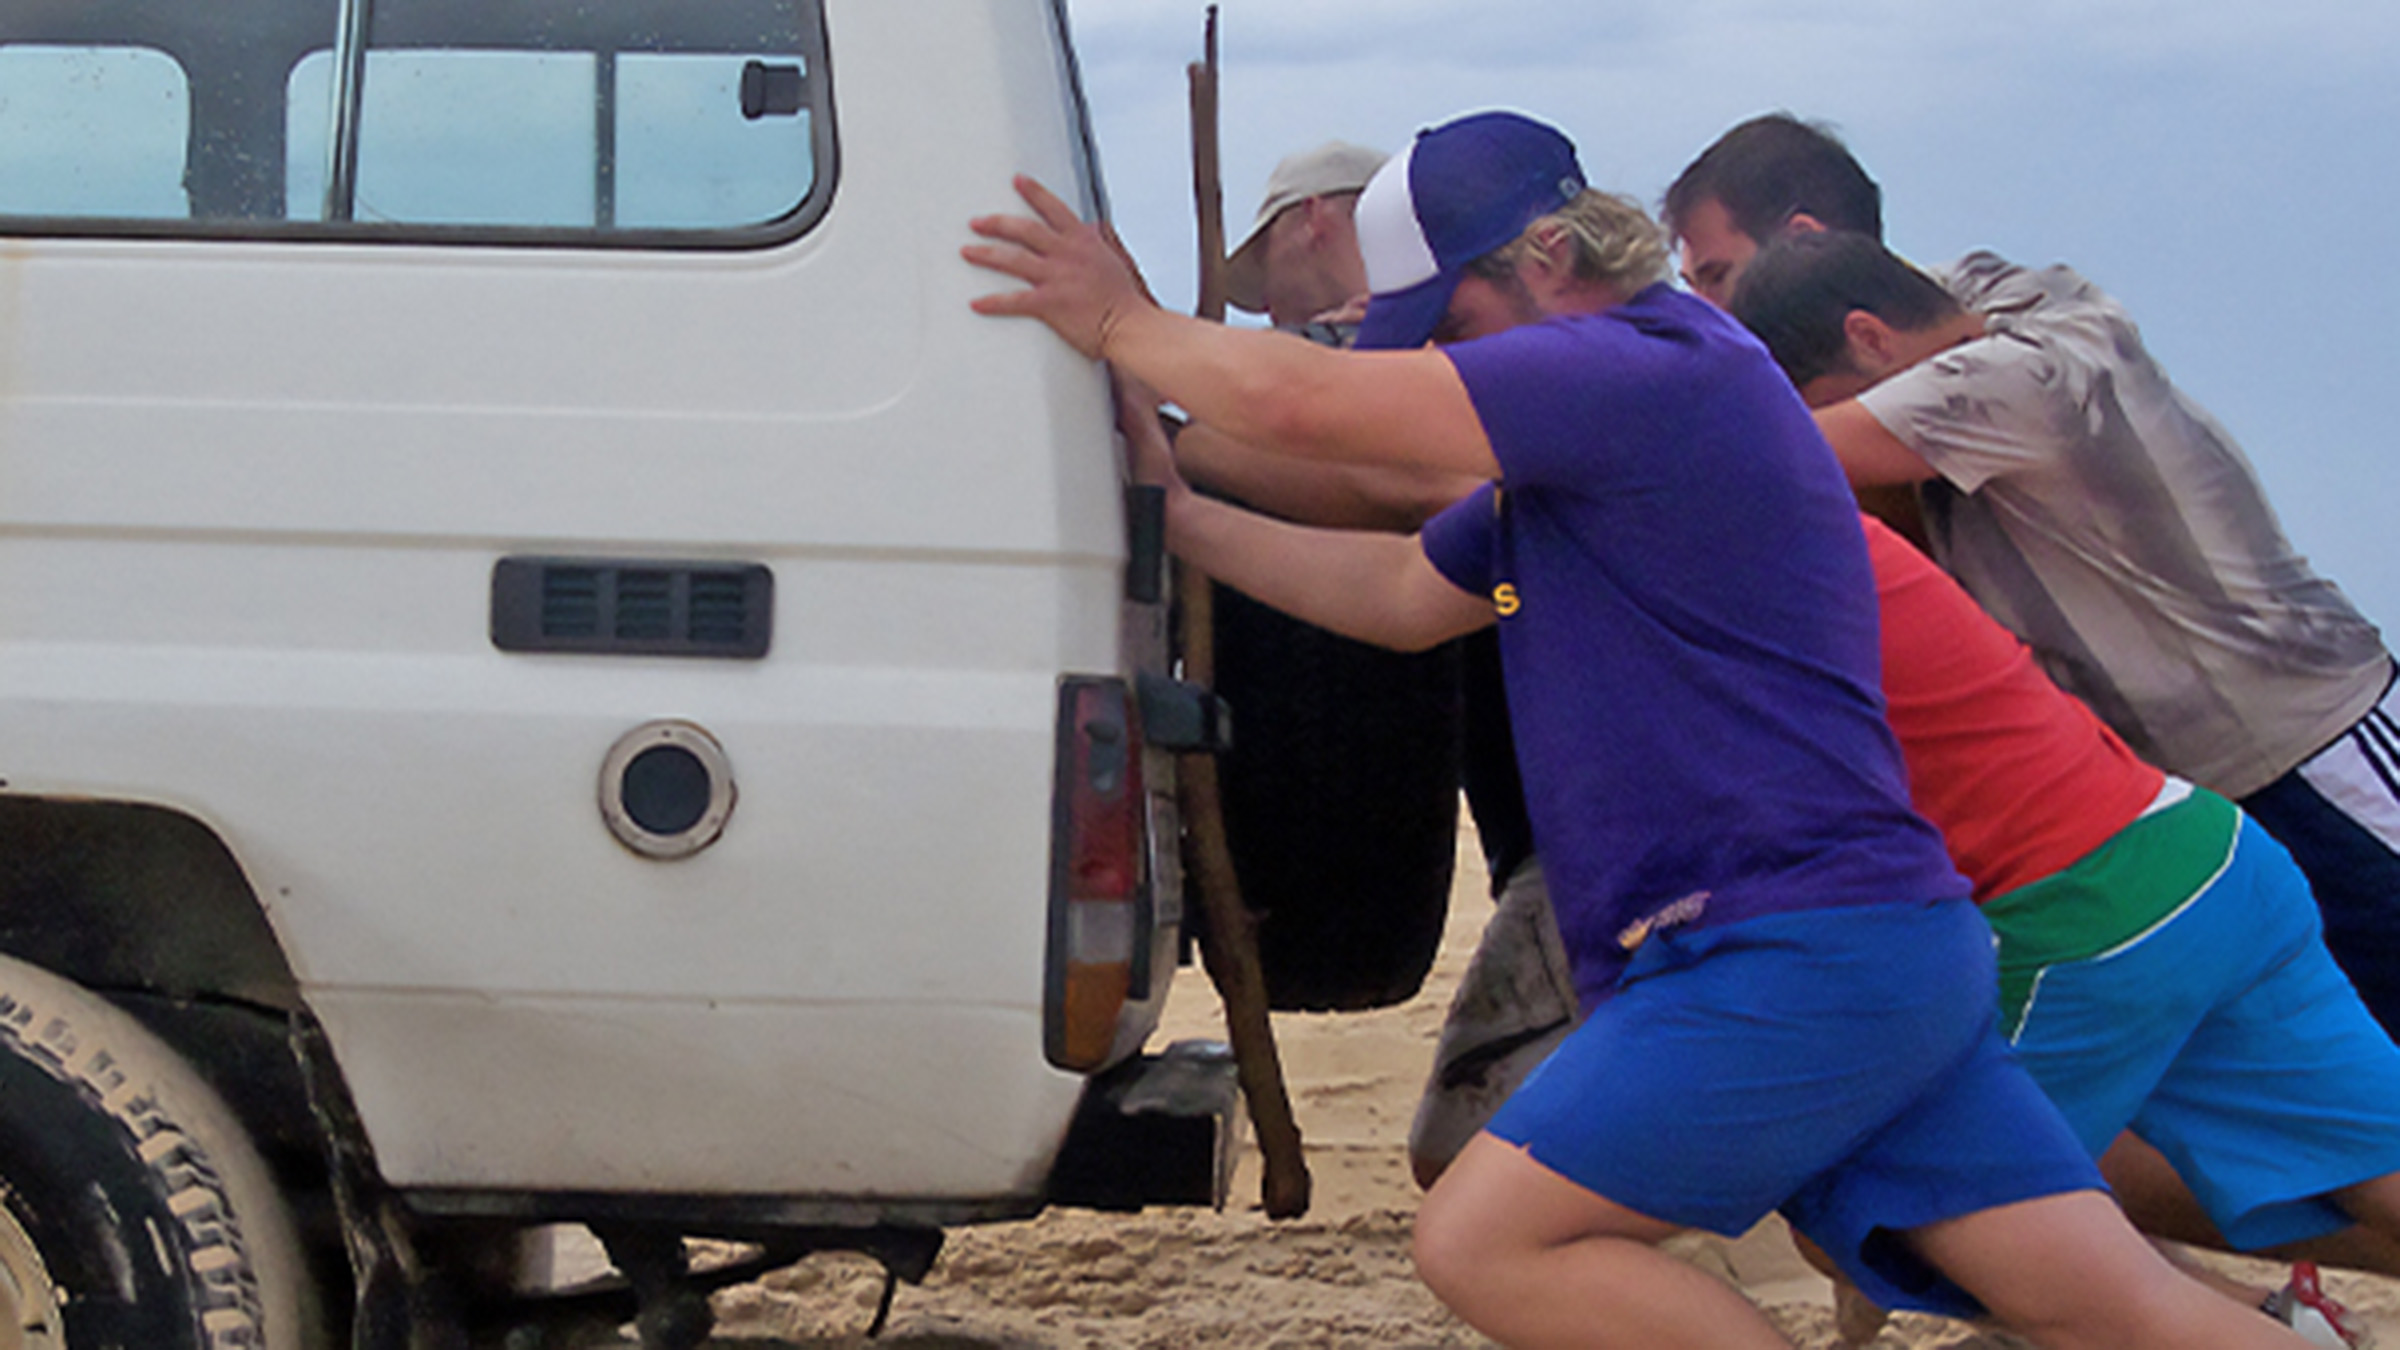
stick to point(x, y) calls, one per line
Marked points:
point(128, 897)
point(147, 908)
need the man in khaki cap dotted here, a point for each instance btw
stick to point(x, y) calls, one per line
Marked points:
point(1299, 263)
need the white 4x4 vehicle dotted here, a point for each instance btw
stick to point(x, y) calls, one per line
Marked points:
point(550, 669)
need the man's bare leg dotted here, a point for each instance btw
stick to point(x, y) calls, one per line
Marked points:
point(2068, 1272)
point(2160, 1204)
point(2376, 1206)
point(1535, 1261)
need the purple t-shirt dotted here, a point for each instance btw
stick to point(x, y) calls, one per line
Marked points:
point(1688, 631)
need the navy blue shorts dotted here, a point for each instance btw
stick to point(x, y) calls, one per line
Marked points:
point(1841, 1065)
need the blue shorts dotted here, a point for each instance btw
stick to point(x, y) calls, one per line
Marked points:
point(1840, 1065)
point(2227, 1037)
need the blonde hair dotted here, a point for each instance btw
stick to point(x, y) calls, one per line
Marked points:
point(1613, 242)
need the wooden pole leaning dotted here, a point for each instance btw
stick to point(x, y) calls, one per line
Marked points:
point(1229, 931)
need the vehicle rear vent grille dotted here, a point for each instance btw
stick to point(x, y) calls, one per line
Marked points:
point(720, 608)
point(571, 603)
point(645, 606)
point(632, 607)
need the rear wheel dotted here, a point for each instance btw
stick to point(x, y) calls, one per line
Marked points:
point(1341, 804)
point(134, 1213)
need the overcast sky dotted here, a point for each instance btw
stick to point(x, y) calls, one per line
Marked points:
point(2230, 171)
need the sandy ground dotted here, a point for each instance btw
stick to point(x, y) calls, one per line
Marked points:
point(1338, 1277)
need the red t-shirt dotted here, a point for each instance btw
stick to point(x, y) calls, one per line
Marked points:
point(2020, 777)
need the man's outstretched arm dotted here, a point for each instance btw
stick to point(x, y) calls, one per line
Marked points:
point(1386, 497)
point(1368, 585)
point(1870, 454)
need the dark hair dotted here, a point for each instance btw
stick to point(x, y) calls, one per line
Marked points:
point(1772, 166)
point(1799, 290)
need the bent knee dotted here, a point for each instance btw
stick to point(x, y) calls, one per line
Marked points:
point(1445, 1251)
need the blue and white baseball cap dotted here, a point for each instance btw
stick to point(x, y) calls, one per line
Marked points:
point(1457, 192)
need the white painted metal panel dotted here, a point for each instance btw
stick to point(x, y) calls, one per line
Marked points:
point(250, 497)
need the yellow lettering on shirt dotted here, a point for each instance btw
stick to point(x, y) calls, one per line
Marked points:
point(1504, 599)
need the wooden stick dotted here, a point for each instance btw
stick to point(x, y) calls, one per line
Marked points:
point(1229, 932)
point(1208, 193)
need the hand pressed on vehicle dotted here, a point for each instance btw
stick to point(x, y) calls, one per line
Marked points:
point(1078, 277)
point(1269, 390)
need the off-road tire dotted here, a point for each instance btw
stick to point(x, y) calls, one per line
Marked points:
point(134, 1213)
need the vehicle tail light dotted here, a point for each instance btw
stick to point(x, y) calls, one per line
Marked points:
point(1099, 861)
